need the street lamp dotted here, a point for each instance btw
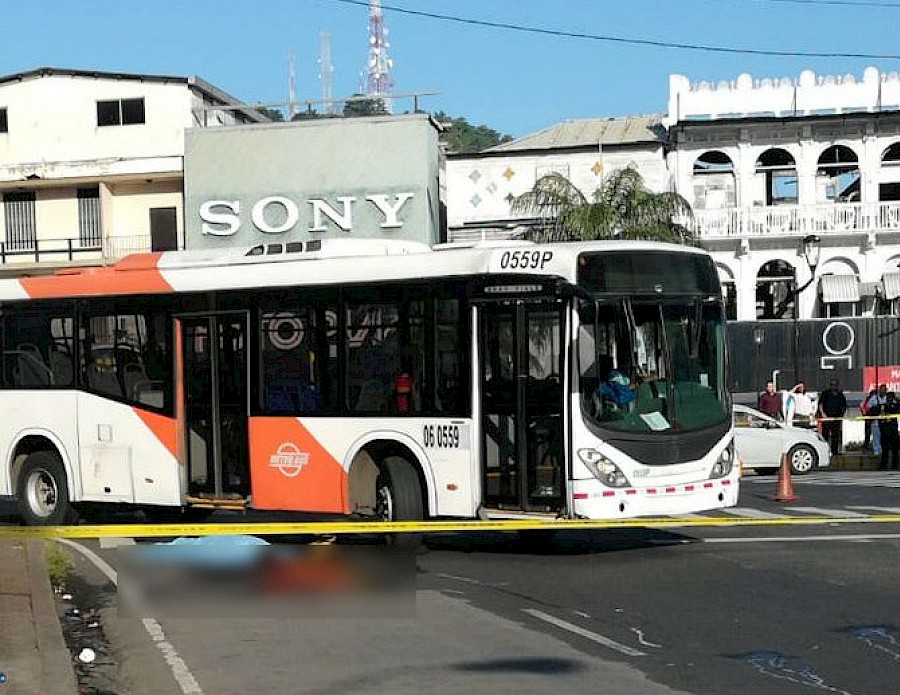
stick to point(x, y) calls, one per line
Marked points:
point(811, 245)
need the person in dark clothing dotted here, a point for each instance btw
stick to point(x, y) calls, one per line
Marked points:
point(867, 424)
point(769, 401)
point(890, 432)
point(833, 403)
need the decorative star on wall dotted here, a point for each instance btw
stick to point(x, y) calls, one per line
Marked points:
point(597, 168)
point(508, 174)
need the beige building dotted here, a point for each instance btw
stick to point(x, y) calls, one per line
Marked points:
point(480, 187)
point(91, 163)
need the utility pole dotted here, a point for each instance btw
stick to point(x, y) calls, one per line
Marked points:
point(292, 86)
point(325, 71)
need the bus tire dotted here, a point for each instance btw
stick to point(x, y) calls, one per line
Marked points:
point(398, 497)
point(42, 491)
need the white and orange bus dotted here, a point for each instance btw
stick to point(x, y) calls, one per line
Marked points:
point(380, 379)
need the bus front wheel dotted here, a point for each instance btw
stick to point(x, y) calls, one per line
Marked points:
point(398, 497)
point(42, 491)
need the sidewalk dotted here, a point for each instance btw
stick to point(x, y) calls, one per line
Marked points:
point(856, 461)
point(33, 655)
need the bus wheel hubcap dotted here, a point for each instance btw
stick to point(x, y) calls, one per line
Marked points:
point(42, 493)
point(384, 505)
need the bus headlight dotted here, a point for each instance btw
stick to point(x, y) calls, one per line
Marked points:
point(724, 463)
point(603, 469)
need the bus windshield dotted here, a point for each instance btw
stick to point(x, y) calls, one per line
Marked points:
point(650, 366)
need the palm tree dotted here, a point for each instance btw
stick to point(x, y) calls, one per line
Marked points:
point(621, 208)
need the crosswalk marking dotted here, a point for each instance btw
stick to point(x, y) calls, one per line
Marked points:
point(851, 478)
point(751, 513)
point(818, 511)
point(878, 510)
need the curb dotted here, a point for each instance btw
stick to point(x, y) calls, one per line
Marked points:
point(56, 661)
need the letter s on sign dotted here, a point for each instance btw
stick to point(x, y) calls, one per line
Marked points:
point(210, 217)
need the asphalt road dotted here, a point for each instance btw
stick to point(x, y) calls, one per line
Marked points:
point(715, 610)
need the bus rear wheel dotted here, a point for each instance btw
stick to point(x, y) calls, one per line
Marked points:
point(398, 497)
point(42, 491)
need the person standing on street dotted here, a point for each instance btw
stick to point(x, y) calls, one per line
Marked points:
point(874, 404)
point(833, 404)
point(802, 410)
point(890, 437)
point(867, 424)
point(769, 401)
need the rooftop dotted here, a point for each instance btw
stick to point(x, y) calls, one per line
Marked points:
point(589, 132)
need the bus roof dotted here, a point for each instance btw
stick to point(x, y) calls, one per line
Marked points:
point(317, 262)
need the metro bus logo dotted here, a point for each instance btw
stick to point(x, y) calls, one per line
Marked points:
point(289, 459)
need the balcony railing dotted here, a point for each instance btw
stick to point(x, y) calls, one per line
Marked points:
point(71, 251)
point(799, 220)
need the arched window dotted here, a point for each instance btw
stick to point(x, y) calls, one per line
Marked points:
point(889, 180)
point(775, 283)
point(776, 178)
point(713, 181)
point(837, 176)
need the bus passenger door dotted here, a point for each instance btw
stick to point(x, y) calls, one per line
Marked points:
point(214, 407)
point(520, 345)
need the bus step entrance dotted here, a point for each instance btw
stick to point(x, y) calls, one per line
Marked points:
point(208, 501)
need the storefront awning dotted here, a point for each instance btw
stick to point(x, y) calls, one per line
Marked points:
point(891, 282)
point(839, 288)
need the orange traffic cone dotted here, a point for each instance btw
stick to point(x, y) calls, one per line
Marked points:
point(785, 490)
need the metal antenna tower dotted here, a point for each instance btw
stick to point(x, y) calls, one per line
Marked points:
point(292, 86)
point(325, 71)
point(378, 67)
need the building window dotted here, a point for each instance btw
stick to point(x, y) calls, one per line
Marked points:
point(120, 112)
point(89, 216)
point(713, 181)
point(19, 214)
point(776, 171)
point(889, 188)
point(775, 297)
point(837, 176)
point(4, 123)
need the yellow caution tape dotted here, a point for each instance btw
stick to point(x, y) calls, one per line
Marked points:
point(327, 528)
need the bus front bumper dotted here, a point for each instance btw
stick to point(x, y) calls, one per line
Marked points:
point(593, 500)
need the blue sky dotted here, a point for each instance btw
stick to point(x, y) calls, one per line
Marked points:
point(515, 82)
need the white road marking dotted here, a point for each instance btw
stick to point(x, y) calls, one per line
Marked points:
point(180, 671)
point(795, 539)
point(751, 513)
point(581, 632)
point(114, 542)
point(819, 511)
point(640, 636)
point(878, 510)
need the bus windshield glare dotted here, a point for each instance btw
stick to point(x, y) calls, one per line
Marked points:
point(651, 366)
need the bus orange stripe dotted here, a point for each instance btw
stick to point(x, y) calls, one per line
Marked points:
point(132, 276)
point(163, 428)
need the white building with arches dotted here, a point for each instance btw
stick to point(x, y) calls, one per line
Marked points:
point(766, 163)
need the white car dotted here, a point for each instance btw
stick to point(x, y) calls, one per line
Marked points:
point(761, 441)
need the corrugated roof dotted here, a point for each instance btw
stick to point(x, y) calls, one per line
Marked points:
point(589, 132)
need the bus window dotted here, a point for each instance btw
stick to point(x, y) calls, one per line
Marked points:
point(127, 357)
point(299, 371)
point(38, 350)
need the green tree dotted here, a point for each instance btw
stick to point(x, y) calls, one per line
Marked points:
point(462, 137)
point(621, 208)
point(271, 114)
point(358, 105)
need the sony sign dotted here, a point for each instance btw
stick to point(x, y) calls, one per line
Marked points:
point(278, 214)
